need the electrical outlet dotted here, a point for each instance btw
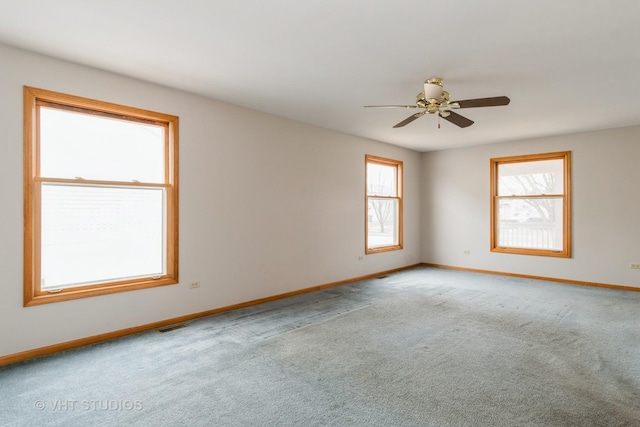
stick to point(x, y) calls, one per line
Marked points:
point(634, 266)
point(360, 258)
point(194, 285)
point(466, 251)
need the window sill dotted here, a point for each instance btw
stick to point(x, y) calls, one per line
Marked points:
point(536, 252)
point(33, 298)
point(370, 251)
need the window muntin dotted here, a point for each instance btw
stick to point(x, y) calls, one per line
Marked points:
point(100, 197)
point(383, 214)
point(530, 211)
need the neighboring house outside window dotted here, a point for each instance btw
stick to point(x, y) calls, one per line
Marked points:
point(101, 197)
point(383, 212)
point(531, 204)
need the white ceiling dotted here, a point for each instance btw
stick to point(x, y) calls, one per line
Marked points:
point(567, 65)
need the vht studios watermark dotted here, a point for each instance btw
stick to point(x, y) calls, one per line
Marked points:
point(63, 405)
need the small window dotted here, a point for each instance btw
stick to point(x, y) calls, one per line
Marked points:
point(383, 214)
point(101, 208)
point(531, 204)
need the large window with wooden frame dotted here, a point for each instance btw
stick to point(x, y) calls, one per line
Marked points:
point(531, 204)
point(383, 212)
point(100, 197)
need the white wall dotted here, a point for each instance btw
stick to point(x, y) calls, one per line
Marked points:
point(267, 206)
point(606, 207)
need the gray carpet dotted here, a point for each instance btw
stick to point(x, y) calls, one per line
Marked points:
point(423, 347)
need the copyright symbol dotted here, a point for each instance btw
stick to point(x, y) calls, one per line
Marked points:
point(39, 405)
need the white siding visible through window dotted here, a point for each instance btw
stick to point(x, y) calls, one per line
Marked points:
point(93, 234)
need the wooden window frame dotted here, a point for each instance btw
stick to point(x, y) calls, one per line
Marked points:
point(399, 197)
point(33, 99)
point(565, 252)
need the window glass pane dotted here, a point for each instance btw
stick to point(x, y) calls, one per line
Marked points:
point(383, 222)
point(531, 178)
point(381, 180)
point(99, 148)
point(530, 223)
point(94, 234)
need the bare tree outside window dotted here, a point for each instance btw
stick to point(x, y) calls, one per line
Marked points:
point(382, 209)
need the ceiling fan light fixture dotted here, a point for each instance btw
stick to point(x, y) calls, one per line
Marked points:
point(433, 89)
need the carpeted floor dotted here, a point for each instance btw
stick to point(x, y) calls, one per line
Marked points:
point(423, 347)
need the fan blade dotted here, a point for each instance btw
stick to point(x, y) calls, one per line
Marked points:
point(390, 106)
point(410, 119)
point(483, 102)
point(457, 119)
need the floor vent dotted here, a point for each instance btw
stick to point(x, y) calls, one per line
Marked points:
point(172, 328)
point(382, 277)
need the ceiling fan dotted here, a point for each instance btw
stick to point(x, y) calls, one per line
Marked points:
point(436, 100)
